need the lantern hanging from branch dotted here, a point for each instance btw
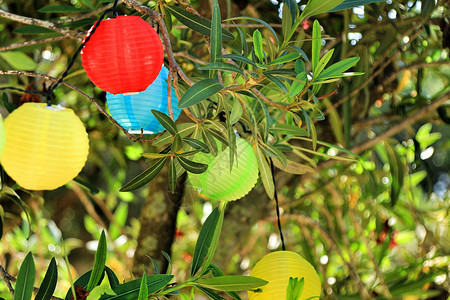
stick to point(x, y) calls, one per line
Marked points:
point(133, 112)
point(46, 146)
point(276, 268)
point(123, 55)
point(2, 136)
point(218, 182)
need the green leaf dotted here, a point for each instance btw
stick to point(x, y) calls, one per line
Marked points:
point(293, 167)
point(236, 111)
point(99, 263)
point(61, 9)
point(177, 143)
point(172, 175)
point(210, 293)
point(112, 278)
point(25, 279)
point(200, 91)
point(239, 58)
point(397, 169)
point(243, 41)
point(298, 86)
point(204, 240)
point(259, 21)
point(10, 107)
point(167, 17)
point(145, 177)
point(210, 142)
point(130, 290)
point(258, 46)
point(353, 3)
point(277, 81)
point(299, 66)
point(143, 289)
point(316, 45)
point(48, 284)
point(273, 152)
point(165, 121)
point(265, 172)
point(99, 291)
point(288, 129)
point(192, 166)
point(323, 62)
point(222, 66)
point(154, 155)
point(183, 129)
point(336, 70)
point(285, 58)
point(196, 144)
point(18, 60)
point(196, 23)
point(216, 37)
point(32, 29)
point(287, 20)
point(231, 283)
point(316, 7)
point(83, 282)
point(294, 289)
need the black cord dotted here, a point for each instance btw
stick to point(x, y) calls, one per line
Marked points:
point(278, 206)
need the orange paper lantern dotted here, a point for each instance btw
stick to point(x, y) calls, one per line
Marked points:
point(46, 146)
point(123, 55)
point(276, 268)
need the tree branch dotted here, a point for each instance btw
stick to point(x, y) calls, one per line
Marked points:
point(31, 21)
point(87, 15)
point(34, 42)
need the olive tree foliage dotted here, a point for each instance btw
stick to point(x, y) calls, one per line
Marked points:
point(342, 102)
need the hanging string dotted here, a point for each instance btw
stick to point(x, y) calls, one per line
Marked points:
point(277, 204)
point(86, 40)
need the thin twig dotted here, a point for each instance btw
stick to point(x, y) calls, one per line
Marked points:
point(34, 42)
point(87, 15)
point(31, 21)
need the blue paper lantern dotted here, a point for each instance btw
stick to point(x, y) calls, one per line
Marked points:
point(133, 111)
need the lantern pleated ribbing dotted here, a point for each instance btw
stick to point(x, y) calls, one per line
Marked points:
point(133, 112)
point(2, 135)
point(276, 268)
point(46, 146)
point(124, 55)
point(218, 182)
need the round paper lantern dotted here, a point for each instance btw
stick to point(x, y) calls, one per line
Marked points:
point(221, 184)
point(46, 146)
point(133, 112)
point(276, 268)
point(2, 135)
point(124, 55)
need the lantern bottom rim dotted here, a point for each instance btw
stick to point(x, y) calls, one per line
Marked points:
point(138, 131)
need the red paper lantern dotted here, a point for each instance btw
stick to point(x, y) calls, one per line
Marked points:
point(124, 55)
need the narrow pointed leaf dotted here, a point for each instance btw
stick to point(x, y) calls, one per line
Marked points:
point(177, 143)
point(61, 9)
point(288, 129)
point(211, 294)
point(258, 46)
point(222, 66)
point(239, 58)
point(99, 263)
point(25, 279)
point(322, 63)
point(243, 40)
point(196, 144)
point(353, 3)
point(316, 45)
point(196, 23)
point(165, 121)
point(48, 284)
point(172, 174)
point(200, 91)
point(143, 289)
point(336, 70)
point(145, 177)
point(285, 58)
point(259, 21)
point(277, 81)
point(216, 37)
point(236, 111)
point(265, 172)
point(210, 142)
point(192, 166)
point(298, 86)
point(82, 281)
point(154, 155)
point(204, 240)
point(130, 290)
point(292, 167)
point(183, 129)
point(231, 283)
point(316, 7)
point(112, 278)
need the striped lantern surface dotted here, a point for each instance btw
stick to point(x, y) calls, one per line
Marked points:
point(276, 268)
point(123, 55)
point(46, 146)
point(133, 112)
point(218, 183)
point(2, 135)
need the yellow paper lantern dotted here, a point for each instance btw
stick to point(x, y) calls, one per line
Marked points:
point(2, 135)
point(276, 268)
point(46, 146)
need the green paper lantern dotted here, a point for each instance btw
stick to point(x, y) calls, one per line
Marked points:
point(2, 135)
point(218, 183)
